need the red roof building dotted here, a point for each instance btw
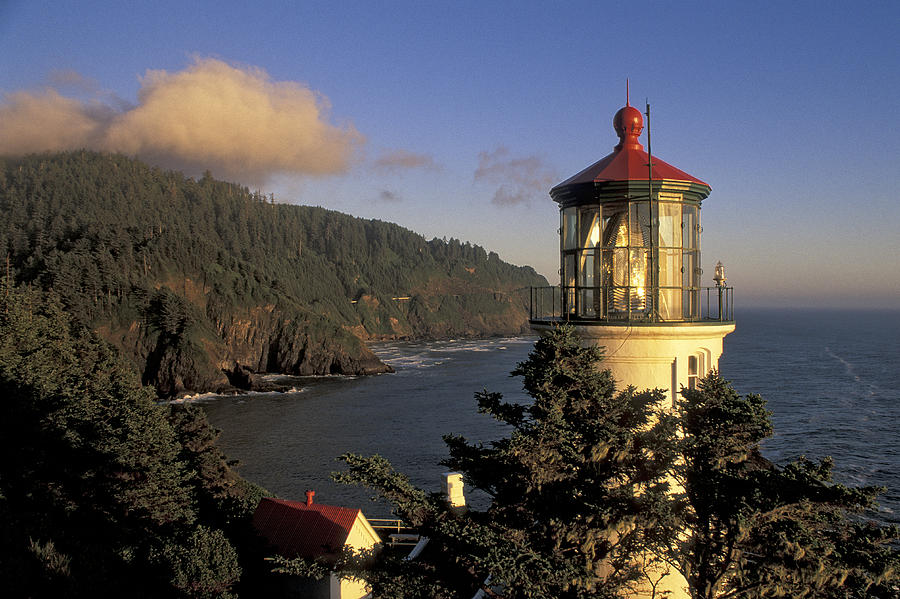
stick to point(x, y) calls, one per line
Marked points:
point(311, 530)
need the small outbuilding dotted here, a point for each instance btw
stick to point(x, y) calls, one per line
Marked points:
point(314, 531)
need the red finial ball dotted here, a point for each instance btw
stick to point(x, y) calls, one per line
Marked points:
point(628, 122)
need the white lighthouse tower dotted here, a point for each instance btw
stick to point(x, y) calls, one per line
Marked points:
point(630, 268)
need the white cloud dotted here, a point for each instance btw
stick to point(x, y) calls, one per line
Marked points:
point(235, 121)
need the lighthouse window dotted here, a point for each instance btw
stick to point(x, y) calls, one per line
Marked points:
point(639, 280)
point(691, 269)
point(669, 268)
point(587, 269)
point(587, 282)
point(569, 282)
point(619, 266)
point(693, 372)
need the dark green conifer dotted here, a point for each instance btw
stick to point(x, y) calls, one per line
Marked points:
point(96, 492)
point(755, 529)
point(576, 489)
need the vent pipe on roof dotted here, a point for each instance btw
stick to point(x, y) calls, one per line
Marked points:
point(309, 497)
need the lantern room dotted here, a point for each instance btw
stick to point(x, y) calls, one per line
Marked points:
point(630, 274)
point(630, 240)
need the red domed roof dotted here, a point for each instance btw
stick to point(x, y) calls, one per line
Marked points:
point(628, 162)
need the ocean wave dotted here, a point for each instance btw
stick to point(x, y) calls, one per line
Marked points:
point(850, 371)
point(195, 398)
point(440, 352)
point(210, 396)
point(410, 364)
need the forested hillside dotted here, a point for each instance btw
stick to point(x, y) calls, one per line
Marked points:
point(196, 279)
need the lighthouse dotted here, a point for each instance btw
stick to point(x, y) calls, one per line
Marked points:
point(630, 270)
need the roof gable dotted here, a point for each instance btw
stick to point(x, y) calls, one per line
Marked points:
point(296, 529)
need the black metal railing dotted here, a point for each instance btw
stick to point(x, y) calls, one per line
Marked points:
point(631, 304)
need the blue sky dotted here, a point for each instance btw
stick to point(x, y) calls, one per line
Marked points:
point(455, 119)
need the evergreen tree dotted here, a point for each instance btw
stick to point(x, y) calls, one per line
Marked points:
point(578, 487)
point(165, 266)
point(579, 500)
point(95, 495)
point(754, 529)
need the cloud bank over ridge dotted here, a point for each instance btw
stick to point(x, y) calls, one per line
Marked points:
point(235, 121)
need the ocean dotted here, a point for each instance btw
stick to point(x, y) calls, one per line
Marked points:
point(831, 379)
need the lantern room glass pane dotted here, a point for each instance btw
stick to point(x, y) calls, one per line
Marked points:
point(614, 279)
point(691, 228)
point(691, 269)
point(690, 278)
point(669, 225)
point(587, 269)
point(640, 224)
point(587, 306)
point(616, 271)
point(588, 275)
point(569, 282)
point(639, 279)
point(615, 225)
point(670, 303)
point(568, 228)
point(590, 227)
point(670, 268)
point(669, 281)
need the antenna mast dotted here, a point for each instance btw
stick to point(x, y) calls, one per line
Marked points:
point(654, 254)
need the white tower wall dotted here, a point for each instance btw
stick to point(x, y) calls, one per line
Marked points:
point(657, 356)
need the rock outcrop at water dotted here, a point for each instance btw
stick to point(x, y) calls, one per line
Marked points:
point(268, 340)
point(232, 352)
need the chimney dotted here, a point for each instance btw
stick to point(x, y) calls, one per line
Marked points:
point(309, 497)
point(452, 486)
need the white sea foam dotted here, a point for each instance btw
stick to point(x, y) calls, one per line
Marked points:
point(197, 397)
point(851, 372)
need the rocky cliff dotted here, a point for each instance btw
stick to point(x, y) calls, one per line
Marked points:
point(228, 353)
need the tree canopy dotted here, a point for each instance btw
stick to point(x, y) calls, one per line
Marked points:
point(577, 488)
point(122, 243)
point(104, 492)
point(594, 493)
point(756, 529)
